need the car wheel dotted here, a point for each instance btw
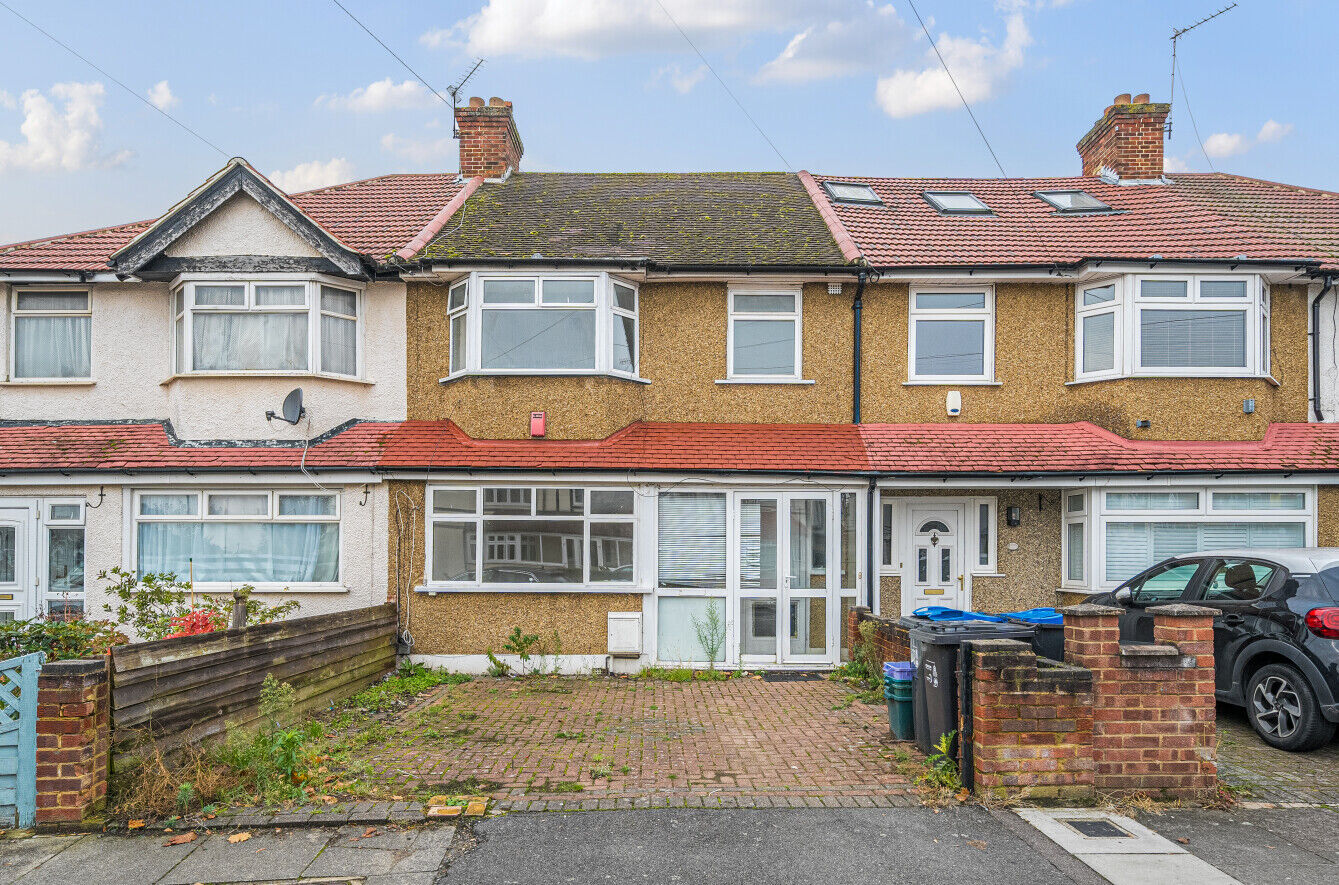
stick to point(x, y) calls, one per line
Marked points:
point(1283, 710)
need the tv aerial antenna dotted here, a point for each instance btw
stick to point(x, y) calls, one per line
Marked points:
point(1177, 34)
point(454, 91)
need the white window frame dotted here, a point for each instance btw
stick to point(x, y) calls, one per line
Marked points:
point(640, 533)
point(1113, 307)
point(985, 314)
point(1099, 515)
point(796, 316)
point(892, 520)
point(1079, 517)
point(604, 305)
point(47, 595)
point(460, 345)
point(271, 516)
point(1129, 305)
point(15, 315)
point(183, 289)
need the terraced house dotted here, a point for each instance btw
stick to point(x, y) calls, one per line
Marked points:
point(673, 417)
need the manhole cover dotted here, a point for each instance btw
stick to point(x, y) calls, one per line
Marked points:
point(1097, 828)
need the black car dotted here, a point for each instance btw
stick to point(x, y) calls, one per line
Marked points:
point(1276, 634)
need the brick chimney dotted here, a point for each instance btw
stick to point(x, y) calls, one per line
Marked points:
point(1128, 139)
point(489, 143)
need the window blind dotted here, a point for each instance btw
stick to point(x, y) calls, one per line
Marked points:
point(1132, 547)
point(691, 548)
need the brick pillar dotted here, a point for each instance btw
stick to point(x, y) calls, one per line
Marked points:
point(1032, 726)
point(73, 741)
point(1189, 745)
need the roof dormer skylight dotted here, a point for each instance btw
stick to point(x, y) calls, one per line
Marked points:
point(957, 203)
point(1073, 202)
point(850, 192)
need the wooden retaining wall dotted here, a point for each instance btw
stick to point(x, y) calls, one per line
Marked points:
point(192, 688)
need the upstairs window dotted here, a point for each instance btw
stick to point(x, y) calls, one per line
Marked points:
point(1073, 202)
point(851, 192)
point(52, 335)
point(266, 326)
point(957, 203)
point(510, 324)
point(764, 334)
point(1192, 324)
point(952, 335)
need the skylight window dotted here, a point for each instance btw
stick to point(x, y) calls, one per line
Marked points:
point(1073, 201)
point(849, 192)
point(957, 203)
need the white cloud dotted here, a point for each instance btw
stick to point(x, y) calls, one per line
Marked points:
point(416, 150)
point(1273, 131)
point(7, 101)
point(1229, 144)
point(977, 66)
point(65, 138)
point(160, 96)
point(1175, 164)
point(598, 28)
point(309, 176)
point(1225, 144)
point(682, 81)
point(838, 48)
point(383, 95)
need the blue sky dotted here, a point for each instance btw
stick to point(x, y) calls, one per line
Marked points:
point(841, 86)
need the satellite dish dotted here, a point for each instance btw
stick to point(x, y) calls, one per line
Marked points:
point(292, 411)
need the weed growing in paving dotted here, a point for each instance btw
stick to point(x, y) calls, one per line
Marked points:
point(863, 672)
point(571, 735)
point(687, 674)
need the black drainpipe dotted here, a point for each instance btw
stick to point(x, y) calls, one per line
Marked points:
point(855, 373)
point(1315, 348)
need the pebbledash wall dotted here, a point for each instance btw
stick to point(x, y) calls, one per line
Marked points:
point(683, 354)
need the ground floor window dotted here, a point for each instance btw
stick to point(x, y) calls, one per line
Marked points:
point(1111, 535)
point(531, 535)
point(234, 537)
point(63, 525)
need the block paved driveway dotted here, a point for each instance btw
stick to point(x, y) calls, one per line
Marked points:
point(550, 743)
point(1264, 774)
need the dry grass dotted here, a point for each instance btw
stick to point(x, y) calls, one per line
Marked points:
point(151, 784)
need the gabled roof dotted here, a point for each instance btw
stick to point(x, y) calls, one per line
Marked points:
point(986, 450)
point(699, 218)
point(373, 217)
point(1208, 216)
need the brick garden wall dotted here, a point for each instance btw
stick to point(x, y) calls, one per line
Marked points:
point(1117, 718)
point(889, 638)
point(73, 741)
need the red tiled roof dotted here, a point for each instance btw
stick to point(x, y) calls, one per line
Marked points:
point(934, 449)
point(373, 217)
point(1199, 216)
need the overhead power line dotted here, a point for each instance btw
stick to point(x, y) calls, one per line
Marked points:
point(404, 63)
point(725, 86)
point(63, 45)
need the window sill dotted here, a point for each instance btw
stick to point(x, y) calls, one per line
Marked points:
point(433, 589)
point(764, 381)
point(48, 382)
point(966, 382)
point(274, 588)
point(1148, 375)
point(483, 373)
point(206, 376)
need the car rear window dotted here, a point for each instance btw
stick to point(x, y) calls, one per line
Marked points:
point(1324, 584)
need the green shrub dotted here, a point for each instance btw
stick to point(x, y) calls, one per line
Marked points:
point(61, 640)
point(147, 604)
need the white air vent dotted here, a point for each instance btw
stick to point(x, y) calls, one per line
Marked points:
point(625, 634)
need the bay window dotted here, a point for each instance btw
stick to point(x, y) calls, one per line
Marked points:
point(52, 335)
point(1172, 325)
point(531, 535)
point(764, 334)
point(267, 326)
point(951, 335)
point(560, 324)
point(235, 537)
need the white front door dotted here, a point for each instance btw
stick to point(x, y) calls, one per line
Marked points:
point(808, 591)
point(18, 566)
point(934, 572)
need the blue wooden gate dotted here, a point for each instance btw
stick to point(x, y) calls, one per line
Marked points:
point(18, 740)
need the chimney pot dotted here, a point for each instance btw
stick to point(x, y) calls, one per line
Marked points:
point(476, 102)
point(1141, 98)
point(1123, 98)
point(496, 102)
point(490, 145)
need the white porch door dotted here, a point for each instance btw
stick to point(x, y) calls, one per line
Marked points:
point(18, 565)
point(810, 589)
point(934, 572)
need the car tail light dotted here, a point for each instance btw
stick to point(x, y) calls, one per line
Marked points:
point(1324, 622)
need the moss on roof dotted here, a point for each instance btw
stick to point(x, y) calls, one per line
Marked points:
point(672, 218)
